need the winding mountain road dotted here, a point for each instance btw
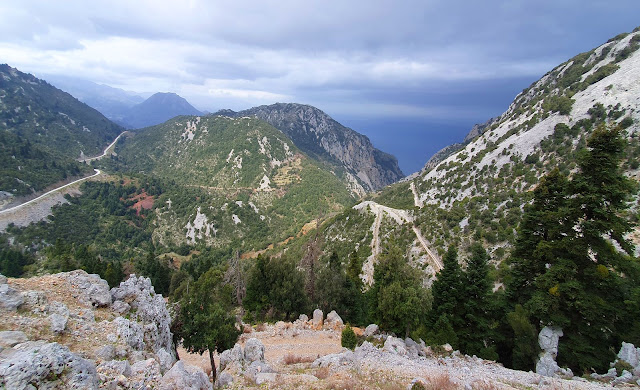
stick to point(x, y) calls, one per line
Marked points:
point(46, 194)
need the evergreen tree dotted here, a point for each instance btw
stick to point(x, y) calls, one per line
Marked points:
point(476, 339)
point(205, 319)
point(446, 315)
point(582, 282)
point(398, 301)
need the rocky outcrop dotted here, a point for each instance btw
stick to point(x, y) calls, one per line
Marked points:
point(548, 340)
point(89, 287)
point(185, 376)
point(319, 136)
point(370, 330)
point(136, 297)
point(625, 369)
point(38, 364)
point(249, 363)
point(10, 299)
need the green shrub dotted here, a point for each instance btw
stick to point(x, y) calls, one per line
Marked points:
point(348, 339)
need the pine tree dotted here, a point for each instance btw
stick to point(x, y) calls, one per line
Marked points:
point(206, 322)
point(446, 315)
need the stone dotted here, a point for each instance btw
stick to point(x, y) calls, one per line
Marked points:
point(3, 279)
point(185, 376)
point(370, 330)
point(10, 298)
point(92, 289)
point(548, 340)
point(257, 367)
point(303, 318)
point(106, 353)
point(608, 377)
point(335, 359)
point(57, 323)
point(148, 309)
point(395, 345)
point(38, 364)
point(114, 368)
point(629, 354)
point(419, 382)
point(145, 374)
point(253, 351)
point(233, 355)
point(34, 298)
point(334, 321)
point(265, 378)
point(447, 348)
point(165, 360)
point(414, 349)
point(317, 318)
point(9, 338)
point(223, 380)
point(120, 307)
point(626, 377)
point(364, 350)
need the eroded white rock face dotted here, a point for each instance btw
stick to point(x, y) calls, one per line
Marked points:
point(149, 313)
point(548, 340)
point(253, 351)
point(91, 288)
point(38, 364)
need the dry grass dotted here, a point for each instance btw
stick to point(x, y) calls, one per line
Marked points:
point(441, 382)
point(486, 385)
point(295, 359)
point(322, 373)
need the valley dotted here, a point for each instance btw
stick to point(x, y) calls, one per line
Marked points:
point(509, 261)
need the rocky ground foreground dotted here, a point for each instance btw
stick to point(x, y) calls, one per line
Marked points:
point(70, 331)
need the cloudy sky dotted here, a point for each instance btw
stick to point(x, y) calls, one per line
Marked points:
point(394, 70)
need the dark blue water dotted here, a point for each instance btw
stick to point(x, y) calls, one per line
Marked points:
point(412, 141)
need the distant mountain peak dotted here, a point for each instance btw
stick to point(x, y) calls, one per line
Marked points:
point(159, 108)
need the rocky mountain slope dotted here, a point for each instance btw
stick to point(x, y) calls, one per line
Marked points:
point(157, 109)
point(70, 331)
point(475, 191)
point(321, 137)
point(240, 178)
point(42, 131)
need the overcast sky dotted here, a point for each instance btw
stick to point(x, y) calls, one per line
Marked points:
point(362, 61)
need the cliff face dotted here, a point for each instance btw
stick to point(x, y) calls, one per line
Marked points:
point(321, 137)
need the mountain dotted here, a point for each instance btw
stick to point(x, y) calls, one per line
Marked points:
point(476, 190)
point(321, 137)
point(234, 179)
point(114, 103)
point(158, 108)
point(43, 130)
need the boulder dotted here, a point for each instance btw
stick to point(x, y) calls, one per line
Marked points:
point(57, 323)
point(253, 351)
point(34, 299)
point(548, 340)
point(3, 279)
point(185, 376)
point(395, 345)
point(334, 359)
point(364, 350)
point(257, 367)
point(10, 298)
point(625, 377)
point(165, 360)
point(120, 307)
point(265, 377)
point(629, 354)
point(38, 364)
point(91, 289)
point(608, 377)
point(223, 380)
point(370, 330)
point(9, 338)
point(106, 353)
point(233, 355)
point(414, 349)
point(303, 318)
point(334, 321)
point(317, 318)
